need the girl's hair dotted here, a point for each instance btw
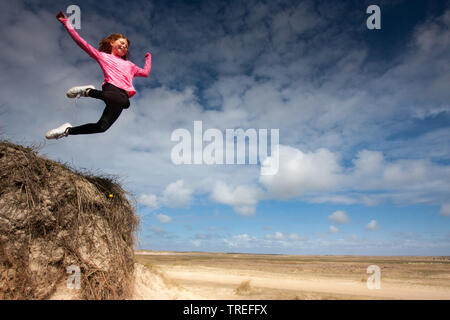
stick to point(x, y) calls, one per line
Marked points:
point(105, 45)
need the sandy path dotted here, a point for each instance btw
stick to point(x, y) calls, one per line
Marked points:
point(217, 283)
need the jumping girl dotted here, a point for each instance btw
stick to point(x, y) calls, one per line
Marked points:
point(117, 87)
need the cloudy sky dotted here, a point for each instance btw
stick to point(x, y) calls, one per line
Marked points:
point(363, 118)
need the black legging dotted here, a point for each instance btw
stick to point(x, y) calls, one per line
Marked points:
point(116, 100)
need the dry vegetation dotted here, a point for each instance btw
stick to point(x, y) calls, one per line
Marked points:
point(51, 217)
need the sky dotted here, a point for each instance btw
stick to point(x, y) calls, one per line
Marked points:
point(363, 117)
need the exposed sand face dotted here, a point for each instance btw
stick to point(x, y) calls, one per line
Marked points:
point(241, 276)
point(153, 284)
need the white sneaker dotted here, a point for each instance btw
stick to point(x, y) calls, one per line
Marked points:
point(58, 132)
point(77, 92)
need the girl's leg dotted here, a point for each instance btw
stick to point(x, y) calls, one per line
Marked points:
point(109, 116)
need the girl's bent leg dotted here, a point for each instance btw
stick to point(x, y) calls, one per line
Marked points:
point(98, 94)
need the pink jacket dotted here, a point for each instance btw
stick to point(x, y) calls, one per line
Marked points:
point(117, 71)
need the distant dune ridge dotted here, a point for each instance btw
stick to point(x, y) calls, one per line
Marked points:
point(52, 217)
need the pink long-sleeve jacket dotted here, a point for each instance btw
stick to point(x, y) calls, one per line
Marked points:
point(117, 71)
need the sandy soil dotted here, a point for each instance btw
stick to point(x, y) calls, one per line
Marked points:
point(214, 283)
point(234, 276)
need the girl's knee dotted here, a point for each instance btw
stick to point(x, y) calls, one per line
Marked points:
point(122, 102)
point(103, 126)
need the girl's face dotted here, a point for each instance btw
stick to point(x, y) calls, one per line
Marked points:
point(119, 47)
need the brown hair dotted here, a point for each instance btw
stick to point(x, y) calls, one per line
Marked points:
point(105, 45)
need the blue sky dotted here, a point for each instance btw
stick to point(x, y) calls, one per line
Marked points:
point(363, 116)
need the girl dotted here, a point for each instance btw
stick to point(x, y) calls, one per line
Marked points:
point(117, 87)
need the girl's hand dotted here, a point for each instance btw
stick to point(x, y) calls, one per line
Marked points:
point(147, 54)
point(60, 15)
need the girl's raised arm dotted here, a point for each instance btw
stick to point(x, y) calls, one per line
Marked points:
point(90, 50)
point(138, 72)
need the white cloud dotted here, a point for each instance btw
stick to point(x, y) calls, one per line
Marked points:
point(279, 236)
point(445, 210)
point(196, 243)
point(301, 172)
point(240, 240)
point(230, 243)
point(294, 237)
point(176, 195)
point(156, 229)
point(243, 199)
point(372, 225)
point(242, 237)
point(276, 236)
point(339, 217)
point(339, 199)
point(333, 229)
point(163, 218)
point(149, 200)
point(368, 163)
point(407, 172)
point(319, 178)
point(372, 171)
